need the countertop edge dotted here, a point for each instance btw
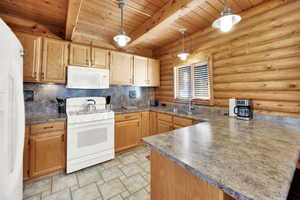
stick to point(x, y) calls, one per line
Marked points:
point(200, 175)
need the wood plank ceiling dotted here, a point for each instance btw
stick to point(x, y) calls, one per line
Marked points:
point(98, 21)
point(50, 13)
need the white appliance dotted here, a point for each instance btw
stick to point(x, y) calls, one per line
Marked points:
point(87, 78)
point(90, 132)
point(232, 105)
point(12, 120)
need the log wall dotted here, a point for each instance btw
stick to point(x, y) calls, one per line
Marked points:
point(259, 59)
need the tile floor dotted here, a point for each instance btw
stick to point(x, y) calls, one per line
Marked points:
point(127, 177)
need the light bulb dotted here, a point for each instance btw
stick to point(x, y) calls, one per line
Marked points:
point(122, 39)
point(226, 23)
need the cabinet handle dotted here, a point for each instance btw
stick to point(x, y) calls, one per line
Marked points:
point(63, 138)
point(48, 127)
point(42, 75)
point(34, 75)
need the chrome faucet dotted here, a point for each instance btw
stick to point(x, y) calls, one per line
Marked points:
point(190, 107)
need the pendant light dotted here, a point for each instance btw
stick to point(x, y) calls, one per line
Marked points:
point(227, 19)
point(122, 39)
point(183, 55)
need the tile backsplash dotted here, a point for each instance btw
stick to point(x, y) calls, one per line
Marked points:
point(44, 101)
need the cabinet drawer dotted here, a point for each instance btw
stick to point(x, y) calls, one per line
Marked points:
point(47, 127)
point(126, 117)
point(183, 121)
point(165, 117)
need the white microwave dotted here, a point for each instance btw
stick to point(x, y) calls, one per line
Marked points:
point(87, 78)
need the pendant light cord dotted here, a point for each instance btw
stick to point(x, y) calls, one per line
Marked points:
point(183, 50)
point(122, 19)
point(226, 3)
point(122, 6)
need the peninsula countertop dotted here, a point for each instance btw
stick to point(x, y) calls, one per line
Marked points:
point(249, 160)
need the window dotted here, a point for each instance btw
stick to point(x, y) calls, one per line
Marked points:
point(192, 82)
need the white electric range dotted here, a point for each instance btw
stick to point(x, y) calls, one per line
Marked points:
point(90, 132)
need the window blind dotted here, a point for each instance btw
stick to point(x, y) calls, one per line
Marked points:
point(184, 82)
point(192, 82)
point(201, 82)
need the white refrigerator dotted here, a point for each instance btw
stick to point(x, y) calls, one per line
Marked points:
point(12, 120)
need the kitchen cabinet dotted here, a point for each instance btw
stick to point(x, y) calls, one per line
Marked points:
point(121, 68)
point(127, 131)
point(100, 58)
point(145, 124)
point(32, 56)
point(153, 72)
point(26, 158)
point(180, 122)
point(146, 71)
point(165, 117)
point(55, 60)
point(140, 69)
point(80, 55)
point(47, 148)
point(153, 123)
point(163, 126)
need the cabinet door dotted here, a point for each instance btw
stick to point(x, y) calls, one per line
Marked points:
point(32, 56)
point(145, 124)
point(153, 123)
point(127, 134)
point(153, 72)
point(47, 153)
point(140, 71)
point(55, 59)
point(80, 55)
point(163, 126)
point(26, 154)
point(121, 68)
point(100, 58)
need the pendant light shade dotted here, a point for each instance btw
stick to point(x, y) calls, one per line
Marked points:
point(227, 20)
point(122, 39)
point(183, 55)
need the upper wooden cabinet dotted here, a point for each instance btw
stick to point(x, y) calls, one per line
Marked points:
point(146, 71)
point(140, 69)
point(100, 58)
point(32, 56)
point(80, 55)
point(55, 60)
point(121, 68)
point(153, 72)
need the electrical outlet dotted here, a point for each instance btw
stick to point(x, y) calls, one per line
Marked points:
point(132, 94)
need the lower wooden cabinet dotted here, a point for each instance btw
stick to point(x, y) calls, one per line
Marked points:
point(153, 123)
point(44, 149)
point(47, 153)
point(145, 124)
point(127, 134)
point(26, 157)
point(163, 126)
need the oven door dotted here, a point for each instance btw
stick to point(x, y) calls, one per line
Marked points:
point(87, 138)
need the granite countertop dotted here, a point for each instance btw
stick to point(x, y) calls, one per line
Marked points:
point(249, 160)
point(43, 118)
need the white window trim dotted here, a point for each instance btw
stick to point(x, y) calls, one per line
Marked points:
point(209, 98)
